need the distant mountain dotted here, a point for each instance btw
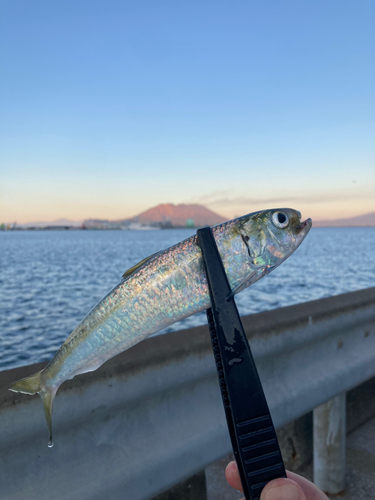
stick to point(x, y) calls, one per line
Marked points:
point(360, 220)
point(179, 215)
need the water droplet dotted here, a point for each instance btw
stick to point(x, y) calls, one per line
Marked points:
point(50, 443)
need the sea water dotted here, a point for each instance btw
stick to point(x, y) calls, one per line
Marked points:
point(49, 280)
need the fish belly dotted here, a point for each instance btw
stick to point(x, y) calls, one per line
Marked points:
point(172, 287)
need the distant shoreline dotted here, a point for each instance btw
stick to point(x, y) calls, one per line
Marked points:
point(75, 228)
point(168, 216)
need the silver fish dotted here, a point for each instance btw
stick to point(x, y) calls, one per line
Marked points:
point(164, 288)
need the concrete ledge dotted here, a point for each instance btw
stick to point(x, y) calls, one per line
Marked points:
point(152, 416)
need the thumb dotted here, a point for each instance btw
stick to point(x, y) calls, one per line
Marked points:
point(282, 489)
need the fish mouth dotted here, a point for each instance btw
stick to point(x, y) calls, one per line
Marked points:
point(307, 223)
point(302, 230)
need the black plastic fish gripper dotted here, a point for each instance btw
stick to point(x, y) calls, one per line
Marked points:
point(254, 441)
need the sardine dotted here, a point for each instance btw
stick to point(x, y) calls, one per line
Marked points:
point(164, 288)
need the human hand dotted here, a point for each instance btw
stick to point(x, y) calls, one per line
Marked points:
point(293, 488)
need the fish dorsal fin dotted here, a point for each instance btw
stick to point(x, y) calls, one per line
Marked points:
point(135, 268)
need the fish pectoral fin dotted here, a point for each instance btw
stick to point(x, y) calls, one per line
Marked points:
point(33, 385)
point(135, 268)
point(249, 280)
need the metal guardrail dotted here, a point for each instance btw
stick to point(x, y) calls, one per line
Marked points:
point(152, 416)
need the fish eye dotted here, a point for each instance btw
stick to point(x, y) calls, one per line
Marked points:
point(280, 219)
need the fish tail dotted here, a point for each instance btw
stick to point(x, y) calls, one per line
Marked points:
point(34, 385)
point(28, 385)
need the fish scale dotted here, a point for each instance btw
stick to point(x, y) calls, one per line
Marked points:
point(165, 288)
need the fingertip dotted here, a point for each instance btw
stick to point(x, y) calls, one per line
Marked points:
point(232, 476)
point(231, 472)
point(231, 468)
point(282, 489)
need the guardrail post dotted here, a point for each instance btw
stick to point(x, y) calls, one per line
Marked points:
point(329, 445)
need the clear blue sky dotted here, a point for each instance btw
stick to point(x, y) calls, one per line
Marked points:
point(110, 107)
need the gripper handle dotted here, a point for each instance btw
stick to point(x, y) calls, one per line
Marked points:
point(254, 441)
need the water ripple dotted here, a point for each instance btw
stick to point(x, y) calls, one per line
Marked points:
point(51, 279)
